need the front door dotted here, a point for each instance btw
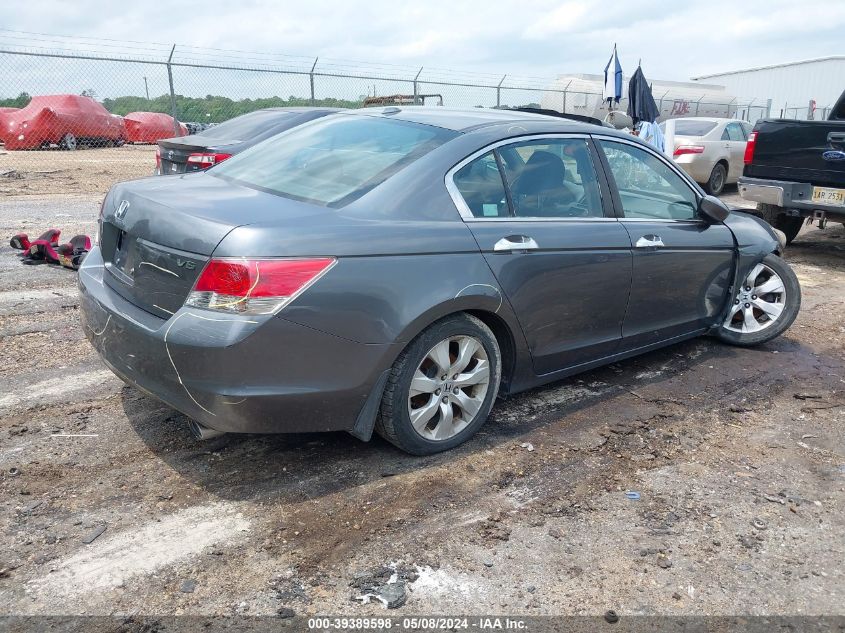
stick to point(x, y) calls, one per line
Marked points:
point(682, 265)
point(562, 262)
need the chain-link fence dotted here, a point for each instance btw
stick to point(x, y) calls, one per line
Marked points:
point(117, 107)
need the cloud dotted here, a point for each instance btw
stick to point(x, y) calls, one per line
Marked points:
point(531, 38)
point(565, 18)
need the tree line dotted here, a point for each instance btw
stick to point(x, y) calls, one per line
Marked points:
point(208, 109)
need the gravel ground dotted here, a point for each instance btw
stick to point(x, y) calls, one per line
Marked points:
point(737, 456)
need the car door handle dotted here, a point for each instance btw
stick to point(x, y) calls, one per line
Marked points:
point(516, 243)
point(649, 241)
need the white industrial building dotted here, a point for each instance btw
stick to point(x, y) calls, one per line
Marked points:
point(791, 86)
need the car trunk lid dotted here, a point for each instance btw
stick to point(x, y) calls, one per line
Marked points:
point(174, 153)
point(159, 233)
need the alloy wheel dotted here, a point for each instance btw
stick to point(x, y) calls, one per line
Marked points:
point(759, 302)
point(449, 387)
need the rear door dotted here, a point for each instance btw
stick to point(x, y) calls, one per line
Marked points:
point(682, 265)
point(734, 139)
point(546, 230)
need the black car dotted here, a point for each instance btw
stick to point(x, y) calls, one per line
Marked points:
point(212, 145)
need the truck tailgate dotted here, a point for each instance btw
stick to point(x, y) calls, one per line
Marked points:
point(799, 151)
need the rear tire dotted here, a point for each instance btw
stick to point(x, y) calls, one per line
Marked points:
point(776, 216)
point(758, 317)
point(447, 410)
point(716, 183)
point(68, 142)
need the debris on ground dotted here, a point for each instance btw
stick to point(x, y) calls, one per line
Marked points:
point(663, 561)
point(94, 534)
point(528, 446)
point(611, 616)
point(385, 584)
point(188, 586)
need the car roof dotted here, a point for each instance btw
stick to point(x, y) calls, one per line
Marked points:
point(466, 119)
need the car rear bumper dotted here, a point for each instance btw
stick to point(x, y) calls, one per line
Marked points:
point(228, 372)
point(789, 195)
point(696, 166)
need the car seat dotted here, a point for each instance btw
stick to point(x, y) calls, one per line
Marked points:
point(540, 188)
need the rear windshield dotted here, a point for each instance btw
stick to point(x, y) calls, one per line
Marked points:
point(245, 126)
point(334, 160)
point(692, 128)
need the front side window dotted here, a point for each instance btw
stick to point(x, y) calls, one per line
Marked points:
point(552, 178)
point(332, 161)
point(648, 187)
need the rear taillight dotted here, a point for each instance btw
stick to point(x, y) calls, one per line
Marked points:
point(158, 159)
point(688, 149)
point(255, 286)
point(206, 160)
point(749, 148)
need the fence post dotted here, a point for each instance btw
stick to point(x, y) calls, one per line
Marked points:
point(172, 93)
point(729, 106)
point(499, 92)
point(768, 108)
point(697, 104)
point(416, 91)
point(311, 78)
point(660, 106)
point(564, 97)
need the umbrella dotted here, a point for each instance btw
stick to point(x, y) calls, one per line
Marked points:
point(641, 105)
point(613, 79)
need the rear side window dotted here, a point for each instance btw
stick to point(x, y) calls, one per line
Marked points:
point(481, 187)
point(334, 160)
point(734, 132)
point(552, 178)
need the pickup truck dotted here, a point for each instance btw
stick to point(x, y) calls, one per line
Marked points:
point(796, 170)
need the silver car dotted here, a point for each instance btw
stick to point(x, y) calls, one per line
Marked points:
point(711, 150)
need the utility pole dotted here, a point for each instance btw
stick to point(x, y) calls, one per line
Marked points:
point(146, 89)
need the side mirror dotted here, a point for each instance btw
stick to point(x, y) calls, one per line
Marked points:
point(713, 210)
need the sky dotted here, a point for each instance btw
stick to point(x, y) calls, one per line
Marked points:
point(675, 40)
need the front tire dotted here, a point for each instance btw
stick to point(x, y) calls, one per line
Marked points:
point(716, 183)
point(442, 387)
point(765, 304)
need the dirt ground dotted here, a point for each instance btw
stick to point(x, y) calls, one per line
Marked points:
point(109, 506)
point(84, 171)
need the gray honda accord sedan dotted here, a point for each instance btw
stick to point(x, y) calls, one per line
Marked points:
point(397, 269)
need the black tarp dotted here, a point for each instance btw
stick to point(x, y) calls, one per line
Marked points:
point(641, 105)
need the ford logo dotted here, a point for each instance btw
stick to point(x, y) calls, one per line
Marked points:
point(834, 155)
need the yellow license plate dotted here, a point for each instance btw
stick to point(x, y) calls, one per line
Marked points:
point(833, 197)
